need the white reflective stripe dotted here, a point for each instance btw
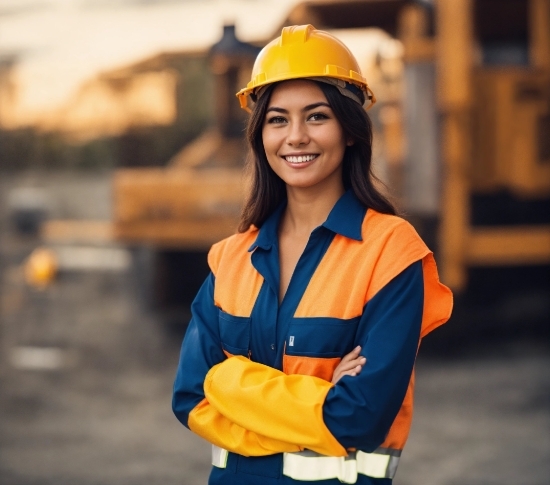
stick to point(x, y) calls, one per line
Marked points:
point(308, 465)
point(373, 465)
point(219, 457)
point(300, 466)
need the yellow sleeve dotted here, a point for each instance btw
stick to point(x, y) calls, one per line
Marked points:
point(287, 408)
point(209, 424)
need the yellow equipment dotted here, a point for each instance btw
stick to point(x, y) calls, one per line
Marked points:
point(41, 268)
point(302, 51)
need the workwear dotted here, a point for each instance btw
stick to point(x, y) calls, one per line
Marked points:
point(254, 374)
point(302, 51)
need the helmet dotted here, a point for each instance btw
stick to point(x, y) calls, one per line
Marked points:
point(302, 51)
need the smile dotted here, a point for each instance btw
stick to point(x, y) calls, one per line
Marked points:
point(300, 158)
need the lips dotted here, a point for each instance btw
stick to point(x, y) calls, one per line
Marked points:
point(299, 158)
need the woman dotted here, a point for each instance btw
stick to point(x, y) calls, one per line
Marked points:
point(298, 362)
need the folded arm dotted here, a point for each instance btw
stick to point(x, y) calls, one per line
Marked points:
point(358, 411)
point(201, 350)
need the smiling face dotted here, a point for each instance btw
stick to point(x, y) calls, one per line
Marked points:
point(304, 142)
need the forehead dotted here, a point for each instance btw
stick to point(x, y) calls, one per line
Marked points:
point(296, 91)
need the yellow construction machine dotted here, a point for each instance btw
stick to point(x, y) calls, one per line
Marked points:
point(467, 141)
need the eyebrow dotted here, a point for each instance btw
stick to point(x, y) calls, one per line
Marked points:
point(306, 108)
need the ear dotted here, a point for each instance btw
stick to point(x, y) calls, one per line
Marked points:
point(350, 142)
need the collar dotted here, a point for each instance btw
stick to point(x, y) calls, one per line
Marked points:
point(345, 218)
point(267, 235)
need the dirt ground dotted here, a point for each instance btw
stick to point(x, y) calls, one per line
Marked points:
point(97, 412)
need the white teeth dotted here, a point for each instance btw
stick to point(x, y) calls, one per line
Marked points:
point(300, 159)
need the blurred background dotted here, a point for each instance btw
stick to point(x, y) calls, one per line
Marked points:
point(121, 149)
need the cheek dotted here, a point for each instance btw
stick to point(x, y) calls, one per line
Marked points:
point(266, 141)
point(332, 138)
point(269, 151)
point(337, 144)
point(271, 144)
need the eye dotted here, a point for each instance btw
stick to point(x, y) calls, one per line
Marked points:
point(276, 120)
point(318, 117)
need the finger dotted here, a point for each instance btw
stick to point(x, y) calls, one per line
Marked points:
point(347, 367)
point(353, 354)
point(350, 364)
point(360, 361)
point(351, 372)
point(355, 371)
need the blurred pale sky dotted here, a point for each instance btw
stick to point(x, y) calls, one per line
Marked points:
point(59, 44)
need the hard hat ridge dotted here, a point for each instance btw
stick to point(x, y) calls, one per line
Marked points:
point(295, 34)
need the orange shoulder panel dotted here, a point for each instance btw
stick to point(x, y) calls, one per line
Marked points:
point(352, 272)
point(438, 299)
point(237, 281)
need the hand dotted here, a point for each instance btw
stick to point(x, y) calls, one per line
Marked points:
point(350, 365)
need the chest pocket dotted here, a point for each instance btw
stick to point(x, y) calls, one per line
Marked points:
point(234, 334)
point(315, 346)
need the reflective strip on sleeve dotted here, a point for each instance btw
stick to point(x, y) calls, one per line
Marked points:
point(219, 457)
point(308, 465)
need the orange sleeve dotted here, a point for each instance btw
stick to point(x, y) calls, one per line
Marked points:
point(285, 408)
point(211, 425)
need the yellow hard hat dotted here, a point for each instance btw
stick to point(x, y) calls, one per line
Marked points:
point(302, 51)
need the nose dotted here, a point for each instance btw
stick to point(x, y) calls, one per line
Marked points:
point(297, 134)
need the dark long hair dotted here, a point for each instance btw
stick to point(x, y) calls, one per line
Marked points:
point(267, 190)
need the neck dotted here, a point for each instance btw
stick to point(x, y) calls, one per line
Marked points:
point(308, 208)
